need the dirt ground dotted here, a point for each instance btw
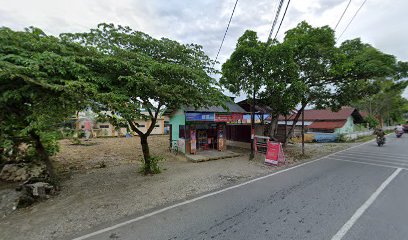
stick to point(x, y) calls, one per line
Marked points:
point(101, 184)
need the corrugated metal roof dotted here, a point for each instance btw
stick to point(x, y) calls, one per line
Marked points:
point(326, 114)
point(232, 108)
point(290, 123)
point(327, 124)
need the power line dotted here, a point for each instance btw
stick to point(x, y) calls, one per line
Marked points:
point(226, 30)
point(284, 14)
point(342, 15)
point(352, 19)
point(276, 19)
point(275, 10)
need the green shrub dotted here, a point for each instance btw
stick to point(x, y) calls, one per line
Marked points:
point(341, 138)
point(154, 165)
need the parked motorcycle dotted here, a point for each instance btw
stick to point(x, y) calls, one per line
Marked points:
point(380, 141)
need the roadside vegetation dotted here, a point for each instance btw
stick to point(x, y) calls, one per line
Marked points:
point(118, 72)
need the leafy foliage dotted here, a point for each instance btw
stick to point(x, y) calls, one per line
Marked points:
point(307, 69)
point(264, 70)
point(41, 84)
point(136, 73)
point(372, 121)
point(387, 104)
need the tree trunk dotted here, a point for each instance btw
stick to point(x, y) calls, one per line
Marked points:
point(274, 127)
point(286, 131)
point(146, 154)
point(296, 119)
point(42, 153)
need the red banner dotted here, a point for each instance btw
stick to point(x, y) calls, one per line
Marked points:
point(228, 117)
point(274, 154)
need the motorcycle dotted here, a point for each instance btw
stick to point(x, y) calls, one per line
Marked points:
point(380, 141)
point(399, 133)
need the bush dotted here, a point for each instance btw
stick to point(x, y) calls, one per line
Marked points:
point(50, 142)
point(372, 121)
point(341, 138)
point(154, 165)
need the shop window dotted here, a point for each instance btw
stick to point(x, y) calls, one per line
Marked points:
point(182, 131)
point(103, 126)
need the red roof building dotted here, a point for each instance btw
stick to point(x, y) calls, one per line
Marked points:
point(326, 120)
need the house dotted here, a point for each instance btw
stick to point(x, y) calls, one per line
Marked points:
point(201, 129)
point(107, 129)
point(346, 120)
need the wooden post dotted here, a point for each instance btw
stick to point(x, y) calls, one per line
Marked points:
point(303, 131)
point(251, 156)
point(286, 129)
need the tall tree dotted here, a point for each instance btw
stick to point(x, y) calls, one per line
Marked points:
point(245, 71)
point(282, 89)
point(334, 77)
point(41, 85)
point(138, 73)
point(387, 104)
point(265, 71)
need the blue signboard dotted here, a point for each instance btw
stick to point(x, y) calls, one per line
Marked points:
point(195, 116)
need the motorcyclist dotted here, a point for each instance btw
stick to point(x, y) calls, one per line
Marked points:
point(399, 128)
point(380, 133)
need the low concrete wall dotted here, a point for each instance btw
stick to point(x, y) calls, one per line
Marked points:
point(352, 136)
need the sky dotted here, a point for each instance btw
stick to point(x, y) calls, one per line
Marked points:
point(380, 23)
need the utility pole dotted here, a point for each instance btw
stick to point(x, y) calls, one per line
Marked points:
point(303, 129)
point(251, 156)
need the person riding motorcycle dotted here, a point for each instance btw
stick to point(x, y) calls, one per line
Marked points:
point(399, 130)
point(380, 134)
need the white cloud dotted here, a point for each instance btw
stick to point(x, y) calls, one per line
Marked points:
point(380, 23)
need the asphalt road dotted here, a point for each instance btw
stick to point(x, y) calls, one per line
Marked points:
point(360, 193)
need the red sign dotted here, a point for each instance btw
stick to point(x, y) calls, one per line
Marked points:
point(274, 154)
point(228, 117)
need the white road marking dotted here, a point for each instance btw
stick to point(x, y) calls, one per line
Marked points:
point(205, 196)
point(371, 160)
point(368, 163)
point(346, 227)
point(373, 154)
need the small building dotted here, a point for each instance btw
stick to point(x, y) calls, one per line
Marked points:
point(201, 129)
point(107, 129)
point(344, 121)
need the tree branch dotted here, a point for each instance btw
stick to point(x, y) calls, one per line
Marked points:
point(154, 120)
point(134, 128)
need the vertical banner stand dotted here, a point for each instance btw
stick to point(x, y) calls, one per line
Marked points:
point(274, 154)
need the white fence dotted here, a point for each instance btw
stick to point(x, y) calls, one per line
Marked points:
point(355, 135)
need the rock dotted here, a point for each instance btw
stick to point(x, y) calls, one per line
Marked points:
point(8, 201)
point(25, 200)
point(22, 171)
point(39, 189)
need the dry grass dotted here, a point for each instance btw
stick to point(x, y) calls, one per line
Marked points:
point(108, 152)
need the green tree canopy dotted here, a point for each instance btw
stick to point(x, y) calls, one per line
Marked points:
point(264, 71)
point(137, 72)
point(335, 76)
point(41, 84)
